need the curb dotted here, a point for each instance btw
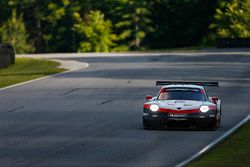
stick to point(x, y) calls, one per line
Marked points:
point(214, 143)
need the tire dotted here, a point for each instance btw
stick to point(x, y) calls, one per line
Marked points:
point(218, 119)
point(217, 123)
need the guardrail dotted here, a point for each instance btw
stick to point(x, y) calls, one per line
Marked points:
point(7, 55)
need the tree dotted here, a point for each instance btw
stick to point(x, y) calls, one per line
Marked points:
point(54, 25)
point(132, 22)
point(34, 12)
point(13, 31)
point(97, 32)
point(5, 11)
point(180, 23)
point(232, 19)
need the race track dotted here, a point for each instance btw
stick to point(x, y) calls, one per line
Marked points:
point(93, 117)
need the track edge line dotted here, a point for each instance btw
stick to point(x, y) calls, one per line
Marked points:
point(214, 143)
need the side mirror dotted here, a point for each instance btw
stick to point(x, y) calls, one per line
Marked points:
point(214, 99)
point(149, 97)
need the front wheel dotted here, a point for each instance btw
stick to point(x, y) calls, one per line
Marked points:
point(217, 122)
point(218, 119)
point(218, 115)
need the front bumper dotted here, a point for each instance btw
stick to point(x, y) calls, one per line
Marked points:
point(157, 119)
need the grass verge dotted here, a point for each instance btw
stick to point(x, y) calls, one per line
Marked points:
point(27, 69)
point(233, 152)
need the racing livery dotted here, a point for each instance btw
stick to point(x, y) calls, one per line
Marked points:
point(182, 104)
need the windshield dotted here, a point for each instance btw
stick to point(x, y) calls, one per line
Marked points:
point(182, 94)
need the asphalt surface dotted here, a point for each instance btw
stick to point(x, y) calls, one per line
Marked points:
point(93, 117)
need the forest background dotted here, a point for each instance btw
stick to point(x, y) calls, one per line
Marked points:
point(53, 26)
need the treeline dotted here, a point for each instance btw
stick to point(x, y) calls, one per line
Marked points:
point(119, 25)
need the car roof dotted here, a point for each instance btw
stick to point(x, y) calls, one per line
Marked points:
point(183, 86)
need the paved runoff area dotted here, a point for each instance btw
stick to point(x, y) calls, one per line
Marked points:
point(92, 116)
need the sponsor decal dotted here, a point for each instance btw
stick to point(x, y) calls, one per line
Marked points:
point(187, 105)
point(178, 115)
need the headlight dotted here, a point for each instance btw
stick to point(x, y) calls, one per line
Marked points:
point(154, 107)
point(204, 109)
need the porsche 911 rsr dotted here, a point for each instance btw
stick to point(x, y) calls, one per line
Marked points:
point(182, 104)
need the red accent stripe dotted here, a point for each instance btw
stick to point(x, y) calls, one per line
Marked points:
point(202, 91)
point(178, 111)
point(163, 90)
point(146, 106)
point(212, 107)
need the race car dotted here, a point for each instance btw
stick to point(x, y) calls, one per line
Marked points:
point(182, 105)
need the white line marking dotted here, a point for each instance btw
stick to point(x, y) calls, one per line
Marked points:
point(214, 143)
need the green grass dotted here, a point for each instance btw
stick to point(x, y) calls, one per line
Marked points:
point(27, 69)
point(234, 152)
